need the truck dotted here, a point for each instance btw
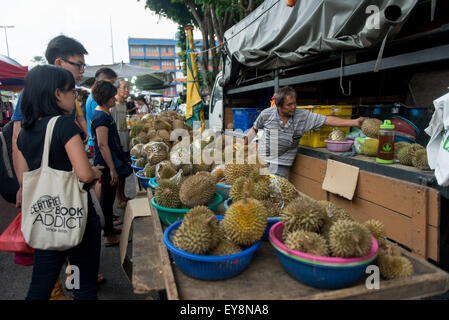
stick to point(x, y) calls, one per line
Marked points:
point(361, 53)
point(386, 56)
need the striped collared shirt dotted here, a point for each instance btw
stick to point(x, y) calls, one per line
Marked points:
point(279, 142)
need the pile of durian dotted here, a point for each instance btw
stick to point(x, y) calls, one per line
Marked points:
point(411, 154)
point(243, 225)
point(320, 228)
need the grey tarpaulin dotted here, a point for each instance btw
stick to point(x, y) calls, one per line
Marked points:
point(275, 35)
point(147, 79)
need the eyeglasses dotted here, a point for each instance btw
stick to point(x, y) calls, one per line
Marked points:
point(81, 66)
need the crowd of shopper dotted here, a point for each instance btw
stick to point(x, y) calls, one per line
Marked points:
point(97, 119)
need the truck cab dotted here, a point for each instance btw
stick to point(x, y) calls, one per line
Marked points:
point(216, 110)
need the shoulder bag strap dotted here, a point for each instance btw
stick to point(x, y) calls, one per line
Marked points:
point(48, 136)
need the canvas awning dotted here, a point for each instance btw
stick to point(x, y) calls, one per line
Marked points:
point(147, 79)
point(12, 74)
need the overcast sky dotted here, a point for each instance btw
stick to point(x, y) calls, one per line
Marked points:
point(38, 21)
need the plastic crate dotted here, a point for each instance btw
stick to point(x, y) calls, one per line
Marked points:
point(245, 117)
point(315, 138)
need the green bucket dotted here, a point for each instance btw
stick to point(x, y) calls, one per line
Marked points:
point(169, 216)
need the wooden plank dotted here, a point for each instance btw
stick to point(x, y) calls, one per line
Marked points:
point(266, 279)
point(419, 222)
point(308, 186)
point(165, 265)
point(392, 193)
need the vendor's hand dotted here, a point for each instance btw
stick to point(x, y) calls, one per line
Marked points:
point(19, 198)
point(359, 122)
point(114, 177)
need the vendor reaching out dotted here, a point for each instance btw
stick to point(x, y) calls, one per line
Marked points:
point(283, 128)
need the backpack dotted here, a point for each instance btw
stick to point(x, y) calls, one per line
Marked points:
point(9, 184)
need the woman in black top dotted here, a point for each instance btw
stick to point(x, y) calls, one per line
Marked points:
point(107, 151)
point(50, 91)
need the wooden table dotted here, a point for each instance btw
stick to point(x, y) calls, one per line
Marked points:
point(153, 271)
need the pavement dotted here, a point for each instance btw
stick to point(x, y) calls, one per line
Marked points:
point(15, 279)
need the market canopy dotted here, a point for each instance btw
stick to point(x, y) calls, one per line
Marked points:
point(12, 74)
point(276, 36)
point(147, 79)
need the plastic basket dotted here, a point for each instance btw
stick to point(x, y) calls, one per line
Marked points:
point(224, 190)
point(208, 267)
point(245, 117)
point(316, 138)
point(136, 169)
point(169, 216)
point(317, 271)
point(144, 181)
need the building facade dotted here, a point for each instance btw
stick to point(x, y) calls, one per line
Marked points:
point(160, 54)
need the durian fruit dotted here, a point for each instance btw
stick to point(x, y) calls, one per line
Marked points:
point(245, 221)
point(406, 154)
point(136, 129)
point(369, 147)
point(256, 186)
point(274, 210)
point(195, 234)
point(349, 239)
point(283, 191)
point(167, 172)
point(143, 137)
point(419, 159)
point(164, 134)
point(332, 214)
point(200, 167)
point(377, 229)
point(234, 171)
point(167, 194)
point(141, 162)
point(149, 171)
point(197, 190)
point(225, 247)
point(162, 125)
point(218, 173)
point(337, 135)
point(394, 267)
point(205, 213)
point(308, 242)
point(155, 152)
point(136, 151)
point(134, 141)
point(178, 124)
point(391, 249)
point(186, 169)
point(370, 127)
point(302, 214)
point(398, 146)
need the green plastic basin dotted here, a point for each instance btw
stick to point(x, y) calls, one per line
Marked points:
point(169, 216)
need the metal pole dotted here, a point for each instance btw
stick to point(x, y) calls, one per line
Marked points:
point(112, 40)
point(6, 37)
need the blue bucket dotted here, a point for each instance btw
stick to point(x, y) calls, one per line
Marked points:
point(208, 267)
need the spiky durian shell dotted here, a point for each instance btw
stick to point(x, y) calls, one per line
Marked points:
point(150, 170)
point(287, 190)
point(377, 229)
point(141, 162)
point(256, 187)
point(155, 152)
point(197, 190)
point(274, 209)
point(349, 239)
point(394, 267)
point(398, 146)
point(308, 242)
point(167, 194)
point(162, 125)
point(369, 147)
point(405, 155)
point(225, 247)
point(370, 127)
point(245, 221)
point(178, 124)
point(419, 159)
point(205, 213)
point(302, 214)
point(194, 235)
point(136, 151)
point(234, 171)
point(236, 191)
point(200, 167)
point(167, 172)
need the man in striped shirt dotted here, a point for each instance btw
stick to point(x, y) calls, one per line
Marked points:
point(283, 128)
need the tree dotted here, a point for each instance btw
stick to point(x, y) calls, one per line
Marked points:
point(212, 17)
point(38, 60)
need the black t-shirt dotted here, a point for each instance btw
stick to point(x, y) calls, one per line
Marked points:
point(129, 106)
point(31, 143)
point(102, 119)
